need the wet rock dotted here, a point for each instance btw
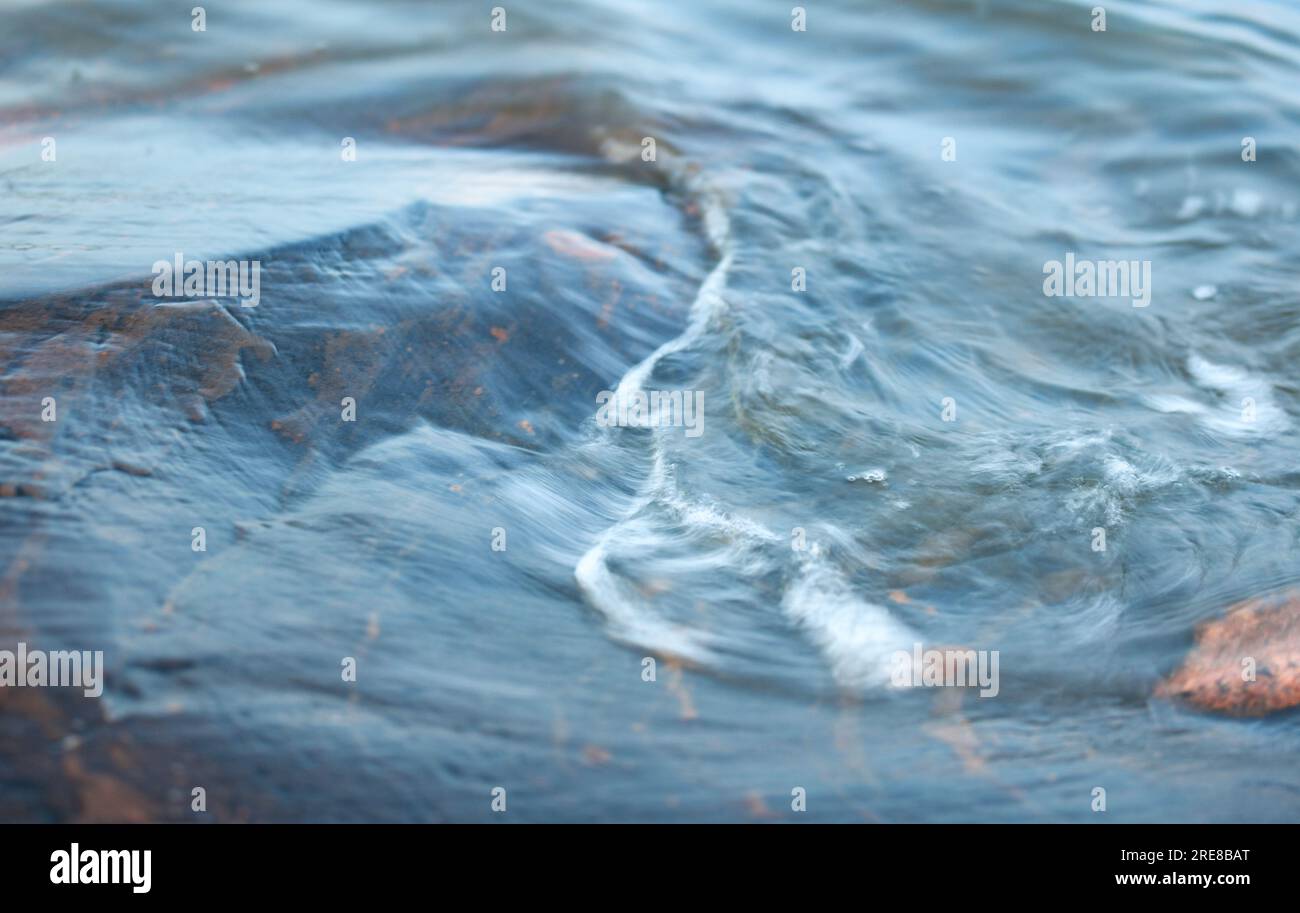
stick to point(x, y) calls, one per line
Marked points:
point(1246, 663)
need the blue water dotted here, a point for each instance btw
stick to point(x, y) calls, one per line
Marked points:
point(522, 667)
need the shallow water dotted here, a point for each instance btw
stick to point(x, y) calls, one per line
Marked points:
point(823, 408)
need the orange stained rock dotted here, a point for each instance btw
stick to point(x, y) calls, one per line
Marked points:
point(1257, 639)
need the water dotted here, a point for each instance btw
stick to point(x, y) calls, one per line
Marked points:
point(823, 409)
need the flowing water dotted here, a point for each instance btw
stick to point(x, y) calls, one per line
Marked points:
point(918, 447)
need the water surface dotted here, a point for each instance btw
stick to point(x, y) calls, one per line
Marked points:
point(522, 668)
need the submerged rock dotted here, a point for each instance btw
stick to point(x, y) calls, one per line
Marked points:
point(1246, 663)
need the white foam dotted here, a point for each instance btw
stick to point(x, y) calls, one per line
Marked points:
point(1246, 203)
point(1191, 208)
point(858, 638)
point(1228, 418)
point(1238, 386)
point(1174, 403)
point(629, 619)
point(851, 354)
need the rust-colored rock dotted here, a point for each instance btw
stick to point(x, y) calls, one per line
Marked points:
point(1215, 674)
